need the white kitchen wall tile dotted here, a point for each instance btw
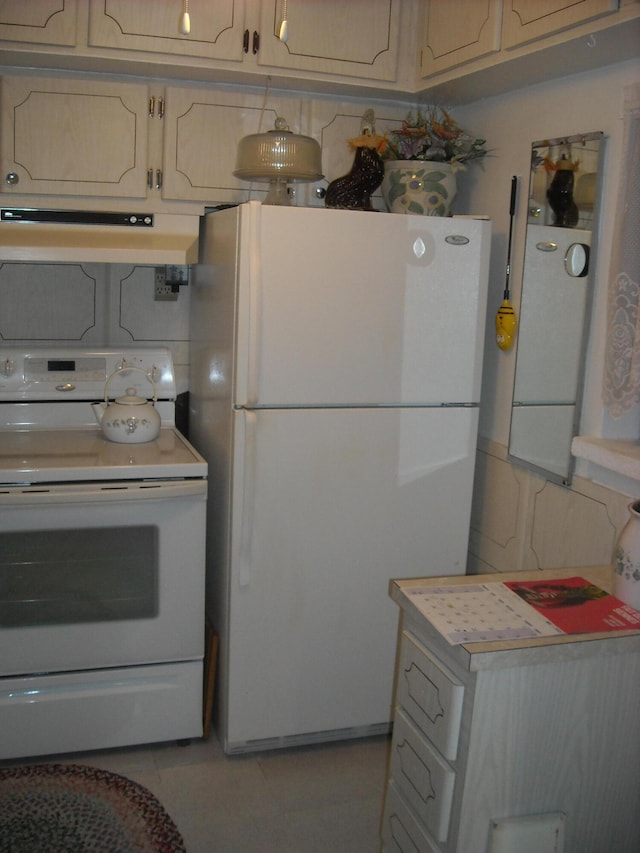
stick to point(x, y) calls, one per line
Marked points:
point(571, 529)
point(137, 315)
point(539, 524)
point(497, 519)
point(51, 303)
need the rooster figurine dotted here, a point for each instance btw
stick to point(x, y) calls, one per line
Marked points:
point(353, 190)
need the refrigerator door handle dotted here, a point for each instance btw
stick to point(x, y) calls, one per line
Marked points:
point(245, 553)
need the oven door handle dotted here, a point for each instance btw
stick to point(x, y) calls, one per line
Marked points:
point(15, 496)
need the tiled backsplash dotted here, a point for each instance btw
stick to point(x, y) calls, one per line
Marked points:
point(521, 521)
point(91, 305)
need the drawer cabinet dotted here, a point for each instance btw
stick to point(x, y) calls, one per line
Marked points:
point(522, 731)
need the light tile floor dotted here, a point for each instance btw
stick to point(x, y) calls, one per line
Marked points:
point(320, 799)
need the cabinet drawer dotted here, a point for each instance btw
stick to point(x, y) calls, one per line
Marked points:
point(401, 832)
point(430, 694)
point(424, 779)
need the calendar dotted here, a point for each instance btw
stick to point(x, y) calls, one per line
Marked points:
point(477, 613)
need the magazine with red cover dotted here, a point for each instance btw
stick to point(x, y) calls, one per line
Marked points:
point(577, 606)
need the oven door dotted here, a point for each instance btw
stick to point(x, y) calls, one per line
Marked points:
point(101, 575)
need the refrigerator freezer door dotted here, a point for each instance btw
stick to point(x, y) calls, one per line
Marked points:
point(328, 505)
point(342, 307)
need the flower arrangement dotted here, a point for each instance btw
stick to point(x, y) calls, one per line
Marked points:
point(432, 134)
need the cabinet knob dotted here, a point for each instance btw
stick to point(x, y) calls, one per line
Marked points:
point(12, 179)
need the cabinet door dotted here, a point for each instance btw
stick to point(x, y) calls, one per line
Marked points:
point(73, 138)
point(354, 39)
point(458, 31)
point(526, 20)
point(45, 22)
point(216, 27)
point(201, 134)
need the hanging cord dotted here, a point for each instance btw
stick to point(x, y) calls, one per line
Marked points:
point(283, 33)
point(264, 102)
point(185, 20)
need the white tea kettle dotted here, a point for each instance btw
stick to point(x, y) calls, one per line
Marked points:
point(130, 419)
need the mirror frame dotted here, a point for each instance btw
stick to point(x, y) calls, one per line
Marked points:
point(566, 476)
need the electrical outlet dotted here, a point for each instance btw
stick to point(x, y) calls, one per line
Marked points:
point(163, 292)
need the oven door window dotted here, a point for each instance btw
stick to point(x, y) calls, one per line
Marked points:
point(64, 577)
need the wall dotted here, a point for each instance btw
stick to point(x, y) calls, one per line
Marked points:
point(520, 520)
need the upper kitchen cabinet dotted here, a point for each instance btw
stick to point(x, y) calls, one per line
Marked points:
point(201, 132)
point(528, 20)
point(71, 137)
point(355, 39)
point(50, 22)
point(472, 49)
point(458, 31)
point(217, 28)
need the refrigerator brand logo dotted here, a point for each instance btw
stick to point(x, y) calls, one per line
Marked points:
point(457, 239)
point(419, 248)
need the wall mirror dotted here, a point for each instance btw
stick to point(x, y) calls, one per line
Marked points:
point(555, 302)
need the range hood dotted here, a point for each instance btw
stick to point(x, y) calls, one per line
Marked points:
point(67, 236)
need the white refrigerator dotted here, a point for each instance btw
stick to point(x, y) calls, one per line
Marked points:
point(335, 379)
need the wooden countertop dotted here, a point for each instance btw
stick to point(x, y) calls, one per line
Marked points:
point(506, 653)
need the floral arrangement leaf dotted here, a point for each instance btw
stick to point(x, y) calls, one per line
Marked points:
point(434, 135)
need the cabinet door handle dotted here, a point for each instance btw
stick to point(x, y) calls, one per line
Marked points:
point(256, 42)
point(11, 179)
point(160, 107)
point(150, 178)
point(152, 106)
point(158, 179)
point(245, 41)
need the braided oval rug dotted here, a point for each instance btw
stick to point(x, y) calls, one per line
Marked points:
point(70, 808)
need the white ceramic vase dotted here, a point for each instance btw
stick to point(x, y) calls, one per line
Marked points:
point(626, 563)
point(419, 186)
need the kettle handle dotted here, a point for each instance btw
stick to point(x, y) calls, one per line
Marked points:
point(127, 369)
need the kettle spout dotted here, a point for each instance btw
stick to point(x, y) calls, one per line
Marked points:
point(98, 410)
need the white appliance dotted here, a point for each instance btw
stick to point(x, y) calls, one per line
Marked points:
point(336, 363)
point(102, 559)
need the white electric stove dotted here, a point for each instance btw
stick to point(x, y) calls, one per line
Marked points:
point(101, 558)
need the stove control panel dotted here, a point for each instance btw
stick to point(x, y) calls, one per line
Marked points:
point(78, 374)
point(76, 370)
